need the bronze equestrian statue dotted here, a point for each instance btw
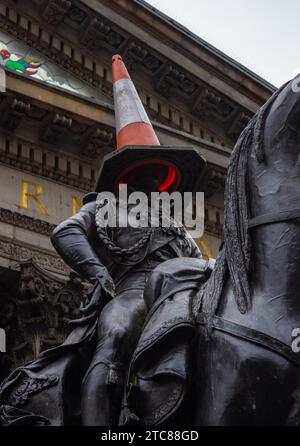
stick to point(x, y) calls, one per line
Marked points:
point(228, 358)
point(215, 347)
point(82, 381)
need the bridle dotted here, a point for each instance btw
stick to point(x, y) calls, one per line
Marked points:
point(273, 217)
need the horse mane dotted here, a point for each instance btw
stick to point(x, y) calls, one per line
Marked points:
point(234, 260)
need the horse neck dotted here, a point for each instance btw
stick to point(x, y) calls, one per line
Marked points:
point(276, 262)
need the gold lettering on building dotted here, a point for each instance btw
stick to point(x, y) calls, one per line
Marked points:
point(26, 194)
point(204, 249)
point(76, 204)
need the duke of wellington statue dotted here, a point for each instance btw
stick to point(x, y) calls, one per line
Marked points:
point(82, 382)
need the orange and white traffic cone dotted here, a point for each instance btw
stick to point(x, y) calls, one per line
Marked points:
point(140, 161)
point(133, 127)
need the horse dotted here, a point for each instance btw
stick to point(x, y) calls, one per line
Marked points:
point(246, 372)
point(222, 354)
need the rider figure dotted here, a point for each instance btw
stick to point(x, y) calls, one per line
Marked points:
point(120, 261)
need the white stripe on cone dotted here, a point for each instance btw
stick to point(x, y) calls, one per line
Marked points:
point(128, 106)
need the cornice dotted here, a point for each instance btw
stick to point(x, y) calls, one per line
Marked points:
point(26, 100)
point(174, 36)
point(168, 79)
point(87, 140)
point(181, 30)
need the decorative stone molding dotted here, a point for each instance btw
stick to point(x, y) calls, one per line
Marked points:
point(37, 316)
point(98, 31)
point(76, 15)
point(208, 102)
point(91, 141)
point(139, 54)
point(12, 111)
point(54, 126)
point(97, 140)
point(46, 304)
point(25, 222)
point(51, 164)
point(55, 11)
point(19, 252)
point(170, 78)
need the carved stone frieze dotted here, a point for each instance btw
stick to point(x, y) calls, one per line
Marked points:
point(76, 15)
point(55, 10)
point(18, 252)
point(169, 77)
point(54, 126)
point(12, 111)
point(46, 304)
point(36, 316)
point(99, 32)
point(97, 140)
point(208, 102)
point(137, 53)
point(26, 222)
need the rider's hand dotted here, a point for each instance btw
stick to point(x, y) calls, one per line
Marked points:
point(102, 291)
point(107, 285)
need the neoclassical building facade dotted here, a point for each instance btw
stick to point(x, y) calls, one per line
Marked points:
point(57, 123)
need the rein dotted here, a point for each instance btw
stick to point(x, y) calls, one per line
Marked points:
point(273, 217)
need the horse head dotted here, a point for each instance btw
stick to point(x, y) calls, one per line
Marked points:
point(262, 188)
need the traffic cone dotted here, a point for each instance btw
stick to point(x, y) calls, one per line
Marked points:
point(139, 160)
point(133, 127)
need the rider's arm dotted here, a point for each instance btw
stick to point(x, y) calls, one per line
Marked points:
point(71, 239)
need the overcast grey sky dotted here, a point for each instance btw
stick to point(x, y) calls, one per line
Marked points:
point(263, 35)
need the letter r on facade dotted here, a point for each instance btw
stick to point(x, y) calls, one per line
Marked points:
point(34, 195)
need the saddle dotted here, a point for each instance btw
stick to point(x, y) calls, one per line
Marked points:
point(158, 378)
